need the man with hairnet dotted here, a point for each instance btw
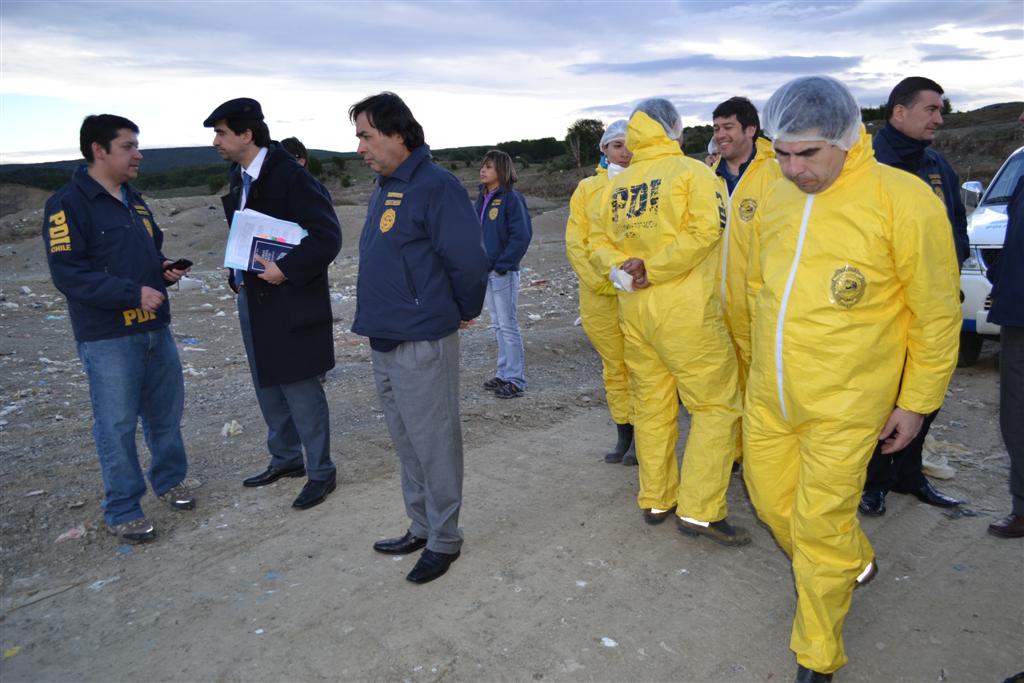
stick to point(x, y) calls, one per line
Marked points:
point(599, 308)
point(851, 289)
point(745, 171)
point(662, 226)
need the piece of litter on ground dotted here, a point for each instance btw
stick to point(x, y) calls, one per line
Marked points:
point(191, 341)
point(258, 632)
point(74, 533)
point(37, 492)
point(397, 558)
point(534, 316)
point(936, 466)
point(608, 642)
point(98, 585)
point(125, 550)
point(76, 504)
point(12, 651)
point(231, 428)
point(578, 322)
point(581, 584)
point(683, 571)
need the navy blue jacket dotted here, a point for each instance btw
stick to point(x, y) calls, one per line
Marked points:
point(101, 253)
point(1008, 272)
point(292, 325)
point(422, 265)
point(933, 169)
point(507, 228)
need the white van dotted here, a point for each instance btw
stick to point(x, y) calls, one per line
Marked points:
point(986, 230)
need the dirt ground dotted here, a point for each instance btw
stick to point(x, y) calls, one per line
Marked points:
point(559, 578)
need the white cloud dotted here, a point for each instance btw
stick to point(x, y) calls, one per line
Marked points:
point(473, 72)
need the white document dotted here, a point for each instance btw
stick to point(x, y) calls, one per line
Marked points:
point(247, 225)
point(622, 280)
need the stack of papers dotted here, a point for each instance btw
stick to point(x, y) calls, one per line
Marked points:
point(254, 233)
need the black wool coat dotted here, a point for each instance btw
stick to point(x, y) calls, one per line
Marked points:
point(292, 325)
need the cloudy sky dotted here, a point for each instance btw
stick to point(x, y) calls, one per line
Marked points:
point(474, 73)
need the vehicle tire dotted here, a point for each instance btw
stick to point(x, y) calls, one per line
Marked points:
point(970, 349)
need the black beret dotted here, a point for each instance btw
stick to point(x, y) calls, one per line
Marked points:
point(239, 108)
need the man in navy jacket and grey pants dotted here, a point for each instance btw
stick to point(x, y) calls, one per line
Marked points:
point(422, 277)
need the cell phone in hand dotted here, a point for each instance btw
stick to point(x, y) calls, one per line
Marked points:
point(180, 264)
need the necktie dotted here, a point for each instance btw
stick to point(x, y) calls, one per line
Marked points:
point(246, 184)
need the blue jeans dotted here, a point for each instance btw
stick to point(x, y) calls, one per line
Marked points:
point(131, 377)
point(502, 299)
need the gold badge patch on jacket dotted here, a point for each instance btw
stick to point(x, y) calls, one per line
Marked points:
point(747, 209)
point(387, 220)
point(493, 213)
point(847, 287)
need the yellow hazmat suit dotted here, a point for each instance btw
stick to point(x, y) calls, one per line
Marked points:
point(753, 185)
point(665, 209)
point(852, 288)
point(599, 307)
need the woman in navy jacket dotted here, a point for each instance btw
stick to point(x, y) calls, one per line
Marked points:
point(507, 232)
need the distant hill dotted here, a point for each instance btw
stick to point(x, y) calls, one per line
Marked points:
point(162, 159)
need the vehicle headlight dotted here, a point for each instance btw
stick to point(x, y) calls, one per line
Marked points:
point(973, 262)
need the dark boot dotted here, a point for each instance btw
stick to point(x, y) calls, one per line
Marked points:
point(805, 675)
point(622, 445)
point(629, 459)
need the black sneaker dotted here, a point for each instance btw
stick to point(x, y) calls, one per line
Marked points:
point(494, 383)
point(508, 390)
point(719, 532)
point(179, 497)
point(136, 531)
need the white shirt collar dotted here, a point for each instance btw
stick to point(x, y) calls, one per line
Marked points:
point(253, 172)
point(254, 168)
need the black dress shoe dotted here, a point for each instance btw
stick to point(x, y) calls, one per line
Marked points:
point(314, 493)
point(1010, 526)
point(872, 503)
point(805, 675)
point(657, 517)
point(272, 474)
point(932, 496)
point(431, 566)
point(400, 546)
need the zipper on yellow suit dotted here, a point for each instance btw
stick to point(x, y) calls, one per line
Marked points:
point(780, 324)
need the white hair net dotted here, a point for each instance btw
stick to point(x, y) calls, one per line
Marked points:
point(616, 131)
point(813, 108)
point(664, 112)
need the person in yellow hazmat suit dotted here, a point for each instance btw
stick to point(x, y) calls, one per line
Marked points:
point(662, 229)
point(599, 307)
point(851, 288)
point(745, 171)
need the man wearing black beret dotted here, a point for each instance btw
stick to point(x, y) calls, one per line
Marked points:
point(285, 311)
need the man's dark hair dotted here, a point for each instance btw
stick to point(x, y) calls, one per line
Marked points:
point(740, 107)
point(260, 132)
point(906, 92)
point(389, 114)
point(101, 128)
point(295, 147)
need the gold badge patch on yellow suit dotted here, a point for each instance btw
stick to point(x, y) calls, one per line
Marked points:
point(387, 220)
point(847, 287)
point(747, 209)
